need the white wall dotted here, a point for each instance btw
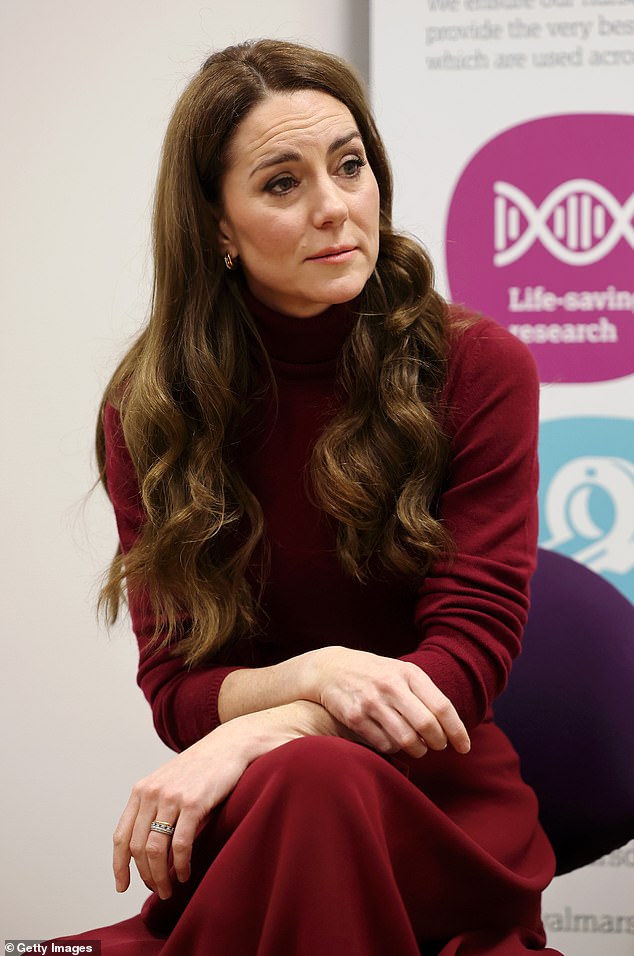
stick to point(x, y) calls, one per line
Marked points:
point(87, 90)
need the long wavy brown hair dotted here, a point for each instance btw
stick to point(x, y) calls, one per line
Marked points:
point(183, 388)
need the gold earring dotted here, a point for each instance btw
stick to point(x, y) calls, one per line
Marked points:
point(229, 262)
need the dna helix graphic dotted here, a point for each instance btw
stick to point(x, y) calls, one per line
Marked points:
point(572, 222)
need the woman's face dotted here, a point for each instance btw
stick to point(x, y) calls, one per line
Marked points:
point(300, 204)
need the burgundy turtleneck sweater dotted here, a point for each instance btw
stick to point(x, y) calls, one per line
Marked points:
point(462, 624)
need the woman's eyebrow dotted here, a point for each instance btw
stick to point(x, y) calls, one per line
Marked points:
point(343, 141)
point(292, 156)
point(288, 156)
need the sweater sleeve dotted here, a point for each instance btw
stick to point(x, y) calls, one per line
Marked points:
point(473, 606)
point(184, 701)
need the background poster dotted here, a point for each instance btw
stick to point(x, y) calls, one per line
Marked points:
point(511, 131)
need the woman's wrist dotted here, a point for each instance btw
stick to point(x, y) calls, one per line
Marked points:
point(267, 729)
point(310, 670)
point(304, 675)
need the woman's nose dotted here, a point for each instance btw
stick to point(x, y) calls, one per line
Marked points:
point(329, 203)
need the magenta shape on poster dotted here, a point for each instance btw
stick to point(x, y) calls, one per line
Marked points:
point(540, 236)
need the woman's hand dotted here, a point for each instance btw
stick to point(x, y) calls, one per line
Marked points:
point(390, 704)
point(183, 791)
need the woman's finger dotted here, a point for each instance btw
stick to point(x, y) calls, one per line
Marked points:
point(410, 719)
point(405, 734)
point(157, 850)
point(441, 708)
point(182, 842)
point(121, 855)
point(139, 841)
point(372, 733)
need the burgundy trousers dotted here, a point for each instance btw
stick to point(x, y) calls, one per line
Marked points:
point(325, 847)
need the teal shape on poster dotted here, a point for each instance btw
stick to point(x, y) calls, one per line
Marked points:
point(586, 495)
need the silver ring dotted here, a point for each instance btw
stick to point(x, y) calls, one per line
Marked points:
point(160, 827)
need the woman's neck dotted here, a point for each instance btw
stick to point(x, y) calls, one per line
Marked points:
point(302, 340)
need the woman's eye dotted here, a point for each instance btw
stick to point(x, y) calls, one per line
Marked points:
point(280, 186)
point(351, 167)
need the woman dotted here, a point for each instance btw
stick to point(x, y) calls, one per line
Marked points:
point(324, 483)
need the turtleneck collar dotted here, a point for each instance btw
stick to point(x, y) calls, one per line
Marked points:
point(302, 341)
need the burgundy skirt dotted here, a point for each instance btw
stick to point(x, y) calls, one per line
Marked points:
point(326, 847)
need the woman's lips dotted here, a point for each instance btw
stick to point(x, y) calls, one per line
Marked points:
point(334, 254)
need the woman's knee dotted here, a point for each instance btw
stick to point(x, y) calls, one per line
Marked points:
point(314, 767)
point(323, 759)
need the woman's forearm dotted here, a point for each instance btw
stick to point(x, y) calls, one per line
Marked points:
point(247, 691)
point(387, 703)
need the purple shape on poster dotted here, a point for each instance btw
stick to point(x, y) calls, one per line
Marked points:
point(540, 236)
